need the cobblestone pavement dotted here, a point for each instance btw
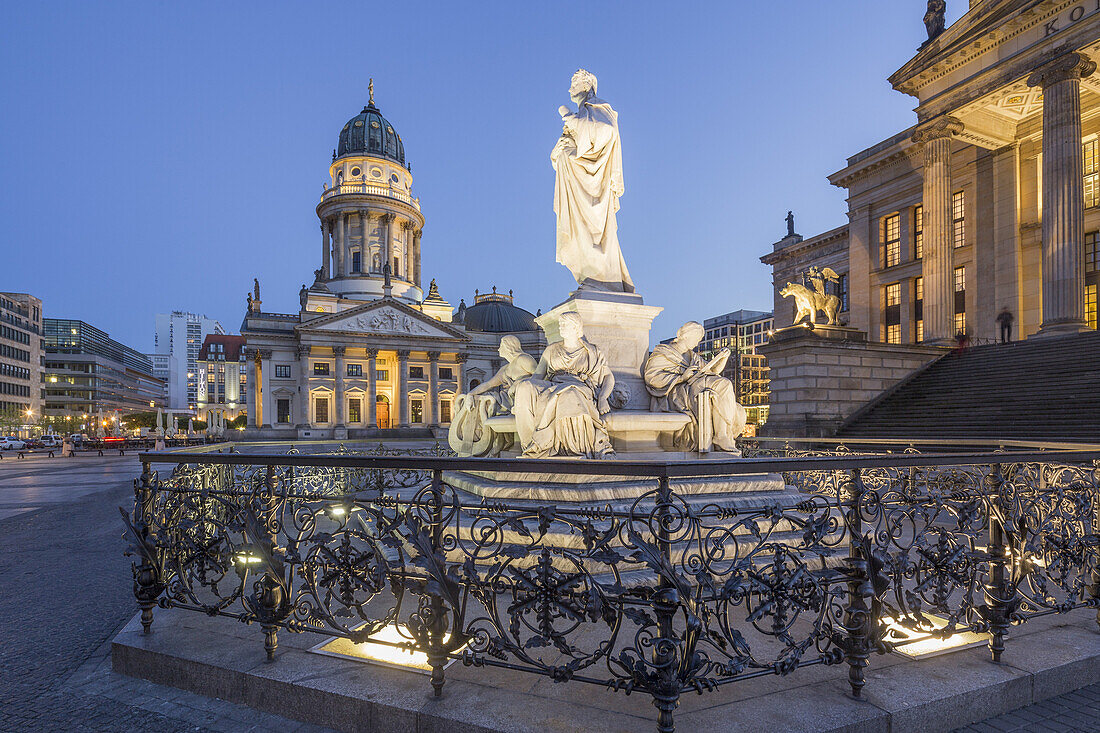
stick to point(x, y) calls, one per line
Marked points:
point(64, 593)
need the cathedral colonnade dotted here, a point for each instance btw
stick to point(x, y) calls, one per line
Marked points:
point(347, 233)
point(352, 388)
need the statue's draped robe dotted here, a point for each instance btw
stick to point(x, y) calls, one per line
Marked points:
point(663, 373)
point(558, 415)
point(467, 428)
point(587, 187)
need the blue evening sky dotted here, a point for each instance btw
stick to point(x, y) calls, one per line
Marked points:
point(158, 156)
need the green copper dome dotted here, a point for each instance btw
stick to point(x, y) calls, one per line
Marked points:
point(369, 133)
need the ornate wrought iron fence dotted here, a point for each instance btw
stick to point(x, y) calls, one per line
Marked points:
point(663, 597)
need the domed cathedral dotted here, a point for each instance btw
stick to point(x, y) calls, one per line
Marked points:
point(372, 352)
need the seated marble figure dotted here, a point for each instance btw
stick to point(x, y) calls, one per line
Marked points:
point(559, 409)
point(468, 434)
point(676, 376)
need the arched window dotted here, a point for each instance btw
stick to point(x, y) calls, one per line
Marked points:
point(474, 383)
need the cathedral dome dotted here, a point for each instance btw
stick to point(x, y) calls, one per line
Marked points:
point(369, 133)
point(495, 313)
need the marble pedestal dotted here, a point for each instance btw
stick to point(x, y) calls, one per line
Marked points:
point(619, 324)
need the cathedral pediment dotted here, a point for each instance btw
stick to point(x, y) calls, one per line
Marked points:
point(384, 318)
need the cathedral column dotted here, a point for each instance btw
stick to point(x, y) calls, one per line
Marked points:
point(364, 246)
point(265, 387)
point(252, 386)
point(416, 257)
point(303, 387)
point(461, 358)
point(338, 352)
point(402, 402)
point(939, 251)
point(431, 405)
point(324, 250)
point(387, 241)
point(372, 388)
point(340, 244)
point(1063, 193)
point(410, 229)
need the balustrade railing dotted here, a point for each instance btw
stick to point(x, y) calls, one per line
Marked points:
point(662, 597)
point(371, 189)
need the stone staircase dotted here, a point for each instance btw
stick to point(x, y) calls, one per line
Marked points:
point(1038, 389)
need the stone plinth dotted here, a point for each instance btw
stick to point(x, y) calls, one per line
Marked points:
point(821, 376)
point(617, 323)
point(221, 658)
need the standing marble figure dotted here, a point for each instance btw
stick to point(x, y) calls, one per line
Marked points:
point(675, 375)
point(559, 409)
point(588, 162)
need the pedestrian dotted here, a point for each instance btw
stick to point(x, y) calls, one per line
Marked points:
point(1005, 319)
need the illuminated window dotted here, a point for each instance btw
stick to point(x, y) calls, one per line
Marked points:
point(958, 219)
point(416, 411)
point(891, 238)
point(355, 370)
point(320, 368)
point(1092, 252)
point(1092, 172)
point(354, 410)
point(918, 309)
point(841, 292)
point(891, 319)
point(445, 411)
point(210, 377)
point(960, 299)
point(918, 232)
point(382, 375)
point(320, 409)
point(1090, 305)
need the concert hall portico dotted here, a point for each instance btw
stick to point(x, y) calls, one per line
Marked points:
point(988, 203)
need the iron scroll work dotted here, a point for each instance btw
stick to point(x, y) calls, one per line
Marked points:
point(662, 598)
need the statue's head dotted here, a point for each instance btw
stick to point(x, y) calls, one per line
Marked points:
point(509, 348)
point(690, 334)
point(570, 325)
point(583, 85)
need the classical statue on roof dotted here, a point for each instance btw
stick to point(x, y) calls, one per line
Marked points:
point(588, 164)
point(810, 300)
point(934, 21)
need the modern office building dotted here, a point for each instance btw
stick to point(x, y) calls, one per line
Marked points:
point(20, 355)
point(87, 371)
point(222, 379)
point(742, 331)
point(180, 336)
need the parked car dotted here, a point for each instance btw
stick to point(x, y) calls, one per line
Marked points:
point(51, 441)
point(32, 443)
point(10, 442)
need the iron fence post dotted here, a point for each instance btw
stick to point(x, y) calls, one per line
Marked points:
point(857, 615)
point(437, 652)
point(666, 690)
point(996, 590)
point(147, 580)
point(269, 588)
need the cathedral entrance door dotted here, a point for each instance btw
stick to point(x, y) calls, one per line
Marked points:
point(383, 411)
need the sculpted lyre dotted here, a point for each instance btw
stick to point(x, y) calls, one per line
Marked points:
point(468, 435)
point(588, 163)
